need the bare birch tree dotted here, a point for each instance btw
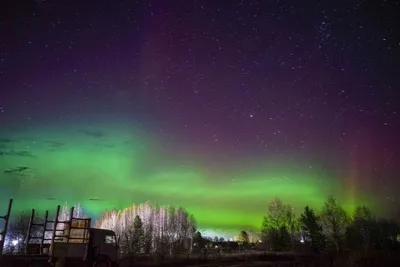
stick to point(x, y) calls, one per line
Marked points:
point(167, 230)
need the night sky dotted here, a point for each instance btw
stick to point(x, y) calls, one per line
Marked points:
point(218, 106)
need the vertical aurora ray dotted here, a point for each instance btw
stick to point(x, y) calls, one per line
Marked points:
point(359, 173)
point(351, 184)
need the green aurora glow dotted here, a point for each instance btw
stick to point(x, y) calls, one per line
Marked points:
point(113, 166)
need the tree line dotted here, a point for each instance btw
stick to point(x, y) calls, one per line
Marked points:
point(167, 231)
point(330, 228)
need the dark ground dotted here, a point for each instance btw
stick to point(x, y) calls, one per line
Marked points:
point(256, 258)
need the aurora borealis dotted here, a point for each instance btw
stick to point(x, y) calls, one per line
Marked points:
point(217, 107)
point(110, 167)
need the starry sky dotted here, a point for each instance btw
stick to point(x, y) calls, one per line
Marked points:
point(218, 106)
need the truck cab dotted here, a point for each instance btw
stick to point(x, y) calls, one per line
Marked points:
point(98, 247)
point(91, 245)
point(103, 243)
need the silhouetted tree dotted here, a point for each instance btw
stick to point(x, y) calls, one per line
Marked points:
point(334, 222)
point(360, 232)
point(138, 235)
point(278, 226)
point(312, 229)
point(198, 240)
point(243, 238)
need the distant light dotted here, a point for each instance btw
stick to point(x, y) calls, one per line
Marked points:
point(301, 240)
point(15, 242)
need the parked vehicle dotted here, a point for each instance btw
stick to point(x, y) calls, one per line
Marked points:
point(62, 243)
